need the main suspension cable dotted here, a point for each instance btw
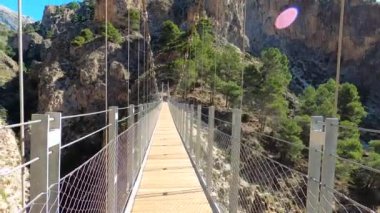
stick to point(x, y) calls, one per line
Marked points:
point(129, 47)
point(243, 51)
point(106, 69)
point(138, 66)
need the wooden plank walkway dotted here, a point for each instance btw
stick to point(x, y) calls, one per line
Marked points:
point(169, 182)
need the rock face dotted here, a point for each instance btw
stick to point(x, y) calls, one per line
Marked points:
point(117, 10)
point(35, 47)
point(8, 88)
point(310, 43)
point(9, 18)
point(71, 79)
point(8, 69)
point(10, 185)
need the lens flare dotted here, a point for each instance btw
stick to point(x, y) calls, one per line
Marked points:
point(286, 18)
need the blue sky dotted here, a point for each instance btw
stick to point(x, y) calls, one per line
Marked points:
point(33, 8)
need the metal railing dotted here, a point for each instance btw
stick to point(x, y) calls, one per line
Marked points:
point(104, 182)
point(239, 176)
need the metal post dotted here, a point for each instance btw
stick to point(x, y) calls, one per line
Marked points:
point(139, 137)
point(181, 120)
point(210, 146)
point(21, 92)
point(328, 165)
point(168, 90)
point(144, 135)
point(112, 159)
point(235, 161)
point(177, 114)
point(142, 129)
point(54, 139)
point(185, 133)
point(199, 129)
point(184, 122)
point(178, 109)
point(175, 109)
point(131, 148)
point(191, 130)
point(147, 125)
point(317, 138)
point(39, 179)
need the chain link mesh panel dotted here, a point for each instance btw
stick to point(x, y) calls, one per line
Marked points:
point(97, 186)
point(221, 174)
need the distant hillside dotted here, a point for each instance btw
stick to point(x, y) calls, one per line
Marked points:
point(9, 18)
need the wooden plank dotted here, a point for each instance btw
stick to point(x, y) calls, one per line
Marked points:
point(169, 182)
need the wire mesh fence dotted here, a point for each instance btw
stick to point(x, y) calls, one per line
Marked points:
point(363, 178)
point(268, 181)
point(267, 185)
point(125, 169)
point(85, 188)
point(222, 172)
point(102, 183)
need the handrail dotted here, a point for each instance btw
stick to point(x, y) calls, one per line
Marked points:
point(5, 172)
point(19, 124)
point(85, 114)
point(84, 137)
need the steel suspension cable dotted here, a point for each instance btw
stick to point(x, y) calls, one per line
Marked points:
point(187, 55)
point(129, 53)
point(243, 51)
point(21, 93)
point(187, 74)
point(138, 67)
point(212, 96)
point(106, 68)
point(339, 57)
point(203, 40)
point(144, 59)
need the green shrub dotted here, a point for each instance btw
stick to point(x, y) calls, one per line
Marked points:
point(75, 18)
point(375, 146)
point(78, 41)
point(49, 34)
point(29, 28)
point(73, 5)
point(135, 19)
point(87, 35)
point(170, 32)
point(113, 33)
point(10, 51)
point(60, 10)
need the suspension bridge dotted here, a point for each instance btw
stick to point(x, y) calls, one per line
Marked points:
point(172, 157)
point(163, 155)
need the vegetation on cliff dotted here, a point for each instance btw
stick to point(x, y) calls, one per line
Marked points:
point(216, 67)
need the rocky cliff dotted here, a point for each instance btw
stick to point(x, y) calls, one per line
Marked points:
point(10, 185)
point(71, 78)
point(310, 43)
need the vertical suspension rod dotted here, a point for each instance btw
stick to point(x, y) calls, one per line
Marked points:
point(21, 93)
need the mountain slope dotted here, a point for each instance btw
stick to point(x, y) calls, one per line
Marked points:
point(9, 18)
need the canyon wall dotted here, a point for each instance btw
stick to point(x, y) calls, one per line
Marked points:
point(310, 42)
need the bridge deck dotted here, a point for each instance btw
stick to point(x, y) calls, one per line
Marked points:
point(169, 182)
